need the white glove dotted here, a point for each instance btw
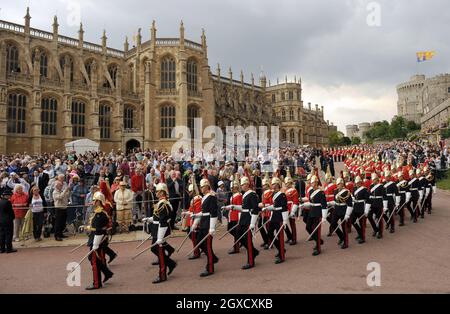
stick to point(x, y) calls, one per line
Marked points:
point(332, 203)
point(408, 197)
point(367, 210)
point(195, 224)
point(434, 190)
point(385, 210)
point(427, 193)
point(398, 200)
point(253, 221)
point(420, 194)
point(97, 242)
point(294, 210)
point(324, 215)
point(269, 208)
point(285, 218)
point(306, 205)
point(161, 234)
point(237, 207)
point(148, 220)
point(348, 212)
point(212, 226)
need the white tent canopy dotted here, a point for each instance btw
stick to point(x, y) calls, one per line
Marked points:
point(82, 146)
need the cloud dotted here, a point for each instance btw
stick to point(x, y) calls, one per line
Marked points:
point(345, 64)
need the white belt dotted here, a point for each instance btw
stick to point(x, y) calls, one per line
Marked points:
point(389, 194)
point(376, 197)
point(316, 204)
point(402, 192)
point(245, 211)
point(413, 189)
point(341, 204)
point(156, 222)
point(359, 201)
point(205, 214)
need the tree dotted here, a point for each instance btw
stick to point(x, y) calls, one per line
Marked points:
point(356, 140)
point(335, 138)
point(345, 141)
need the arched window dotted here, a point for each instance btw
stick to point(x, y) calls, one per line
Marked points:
point(168, 73)
point(192, 75)
point(17, 104)
point(300, 138)
point(291, 95)
point(62, 63)
point(283, 96)
point(12, 59)
point(283, 115)
point(273, 98)
point(167, 121)
point(131, 77)
point(283, 136)
point(128, 118)
point(292, 137)
point(49, 116)
point(104, 121)
point(291, 115)
point(43, 66)
point(193, 113)
point(78, 118)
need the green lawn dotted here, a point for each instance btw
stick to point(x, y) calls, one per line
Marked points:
point(444, 184)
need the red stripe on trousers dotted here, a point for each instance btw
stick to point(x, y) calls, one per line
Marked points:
point(210, 256)
point(294, 229)
point(162, 266)
point(250, 247)
point(95, 269)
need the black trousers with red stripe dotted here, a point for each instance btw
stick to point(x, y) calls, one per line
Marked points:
point(378, 212)
point(234, 233)
point(207, 248)
point(263, 232)
point(342, 231)
point(279, 242)
point(164, 260)
point(360, 227)
point(194, 239)
point(247, 242)
point(312, 224)
point(98, 263)
point(291, 230)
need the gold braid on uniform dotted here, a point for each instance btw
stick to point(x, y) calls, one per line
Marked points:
point(162, 204)
point(343, 197)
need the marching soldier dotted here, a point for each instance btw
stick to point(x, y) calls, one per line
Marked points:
point(98, 241)
point(414, 188)
point(361, 208)
point(376, 202)
point(329, 194)
point(248, 221)
point(343, 207)
point(194, 208)
point(233, 215)
point(391, 201)
point(160, 231)
point(267, 200)
point(423, 183)
point(293, 204)
point(405, 196)
point(318, 213)
point(208, 221)
point(279, 219)
point(429, 190)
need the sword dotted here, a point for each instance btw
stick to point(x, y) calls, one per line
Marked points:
point(392, 214)
point(241, 237)
point(228, 232)
point(340, 224)
point(198, 245)
point(262, 227)
point(184, 241)
point(87, 255)
point(78, 247)
point(276, 236)
point(142, 252)
point(310, 236)
point(142, 242)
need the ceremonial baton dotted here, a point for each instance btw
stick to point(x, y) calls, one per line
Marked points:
point(276, 236)
point(184, 241)
point(228, 232)
point(198, 245)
